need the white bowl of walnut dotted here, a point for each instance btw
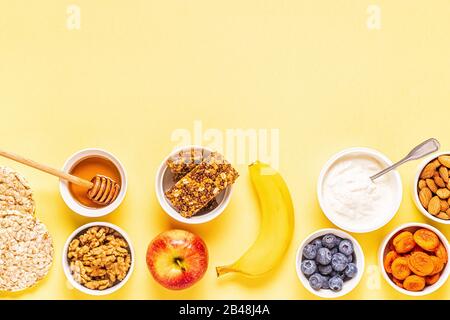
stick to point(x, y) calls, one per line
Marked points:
point(98, 258)
point(431, 190)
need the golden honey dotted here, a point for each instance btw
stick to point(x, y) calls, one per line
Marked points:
point(87, 169)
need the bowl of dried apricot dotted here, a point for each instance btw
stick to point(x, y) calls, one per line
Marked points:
point(431, 190)
point(414, 259)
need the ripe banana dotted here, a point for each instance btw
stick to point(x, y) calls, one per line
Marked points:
point(277, 224)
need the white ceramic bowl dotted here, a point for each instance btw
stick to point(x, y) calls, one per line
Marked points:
point(164, 180)
point(397, 187)
point(382, 251)
point(348, 285)
point(66, 267)
point(73, 203)
point(415, 188)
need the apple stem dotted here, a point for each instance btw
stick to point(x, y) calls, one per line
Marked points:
point(180, 264)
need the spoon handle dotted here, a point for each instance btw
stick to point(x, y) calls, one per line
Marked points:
point(420, 151)
point(61, 174)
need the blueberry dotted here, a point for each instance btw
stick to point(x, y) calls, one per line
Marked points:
point(329, 241)
point(334, 251)
point(325, 270)
point(350, 258)
point(308, 267)
point(310, 251)
point(323, 256)
point(336, 283)
point(325, 284)
point(317, 243)
point(338, 240)
point(351, 270)
point(346, 247)
point(339, 262)
point(315, 281)
point(333, 273)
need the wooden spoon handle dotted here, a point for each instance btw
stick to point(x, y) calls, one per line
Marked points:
point(45, 168)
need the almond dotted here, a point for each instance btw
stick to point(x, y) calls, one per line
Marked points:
point(443, 215)
point(443, 172)
point(428, 171)
point(434, 206)
point(436, 163)
point(425, 196)
point(443, 193)
point(432, 185)
point(439, 181)
point(422, 184)
point(444, 205)
point(445, 160)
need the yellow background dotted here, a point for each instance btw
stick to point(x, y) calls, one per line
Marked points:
point(137, 70)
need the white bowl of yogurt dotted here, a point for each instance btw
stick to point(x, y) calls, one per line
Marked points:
point(350, 199)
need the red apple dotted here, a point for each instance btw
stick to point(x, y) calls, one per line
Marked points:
point(177, 259)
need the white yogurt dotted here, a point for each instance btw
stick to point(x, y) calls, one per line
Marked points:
point(352, 200)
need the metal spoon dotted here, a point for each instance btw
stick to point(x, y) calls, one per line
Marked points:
point(422, 150)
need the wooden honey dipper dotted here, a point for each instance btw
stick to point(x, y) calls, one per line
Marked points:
point(101, 189)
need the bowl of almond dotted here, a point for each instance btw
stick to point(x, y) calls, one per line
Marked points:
point(431, 191)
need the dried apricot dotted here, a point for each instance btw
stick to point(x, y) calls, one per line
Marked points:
point(398, 282)
point(426, 239)
point(414, 283)
point(388, 259)
point(404, 242)
point(429, 280)
point(438, 265)
point(400, 268)
point(441, 252)
point(421, 264)
point(417, 249)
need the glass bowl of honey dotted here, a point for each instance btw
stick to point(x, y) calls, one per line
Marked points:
point(86, 164)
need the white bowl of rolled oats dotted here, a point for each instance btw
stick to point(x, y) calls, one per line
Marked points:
point(178, 169)
point(98, 258)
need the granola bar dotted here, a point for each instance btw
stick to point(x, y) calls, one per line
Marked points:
point(184, 162)
point(196, 189)
point(210, 206)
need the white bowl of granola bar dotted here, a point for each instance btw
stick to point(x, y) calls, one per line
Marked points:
point(170, 172)
point(111, 259)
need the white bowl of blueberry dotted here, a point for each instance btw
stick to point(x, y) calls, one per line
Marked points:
point(330, 263)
